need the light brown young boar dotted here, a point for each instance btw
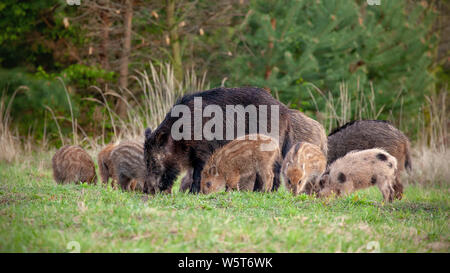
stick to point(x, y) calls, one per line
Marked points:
point(251, 157)
point(368, 134)
point(306, 129)
point(104, 163)
point(303, 164)
point(127, 161)
point(359, 170)
point(73, 164)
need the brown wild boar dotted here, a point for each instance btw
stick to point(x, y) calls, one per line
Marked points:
point(73, 164)
point(303, 164)
point(307, 129)
point(250, 156)
point(104, 163)
point(368, 134)
point(166, 157)
point(359, 170)
point(127, 160)
point(303, 128)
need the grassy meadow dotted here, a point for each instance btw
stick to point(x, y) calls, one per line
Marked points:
point(37, 215)
point(102, 72)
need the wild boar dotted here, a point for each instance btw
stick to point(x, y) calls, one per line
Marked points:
point(250, 156)
point(166, 156)
point(368, 134)
point(73, 164)
point(303, 164)
point(127, 160)
point(303, 129)
point(358, 170)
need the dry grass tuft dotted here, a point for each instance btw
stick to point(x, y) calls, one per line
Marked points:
point(10, 146)
point(147, 107)
point(343, 109)
point(430, 166)
point(430, 155)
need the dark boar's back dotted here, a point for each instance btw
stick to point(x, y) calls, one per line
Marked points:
point(185, 154)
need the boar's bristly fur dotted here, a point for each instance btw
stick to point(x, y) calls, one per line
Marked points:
point(73, 164)
point(250, 156)
point(127, 159)
point(368, 134)
point(305, 129)
point(358, 170)
point(104, 163)
point(303, 164)
point(302, 127)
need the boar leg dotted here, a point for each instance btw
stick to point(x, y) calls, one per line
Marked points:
point(186, 182)
point(276, 176)
point(387, 190)
point(195, 186)
point(124, 182)
point(104, 173)
point(398, 189)
point(268, 178)
point(133, 185)
point(233, 182)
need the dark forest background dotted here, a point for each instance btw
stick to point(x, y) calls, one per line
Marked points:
point(397, 51)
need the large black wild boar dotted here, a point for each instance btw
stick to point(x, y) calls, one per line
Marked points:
point(368, 134)
point(165, 156)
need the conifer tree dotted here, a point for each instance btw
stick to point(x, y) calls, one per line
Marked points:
point(284, 45)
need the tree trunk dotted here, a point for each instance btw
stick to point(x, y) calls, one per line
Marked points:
point(174, 38)
point(124, 60)
point(104, 43)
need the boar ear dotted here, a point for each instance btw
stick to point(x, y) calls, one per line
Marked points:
point(213, 170)
point(323, 179)
point(148, 133)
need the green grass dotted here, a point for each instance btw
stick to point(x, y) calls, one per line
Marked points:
point(37, 215)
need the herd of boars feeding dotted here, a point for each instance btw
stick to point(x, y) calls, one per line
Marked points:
point(354, 156)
